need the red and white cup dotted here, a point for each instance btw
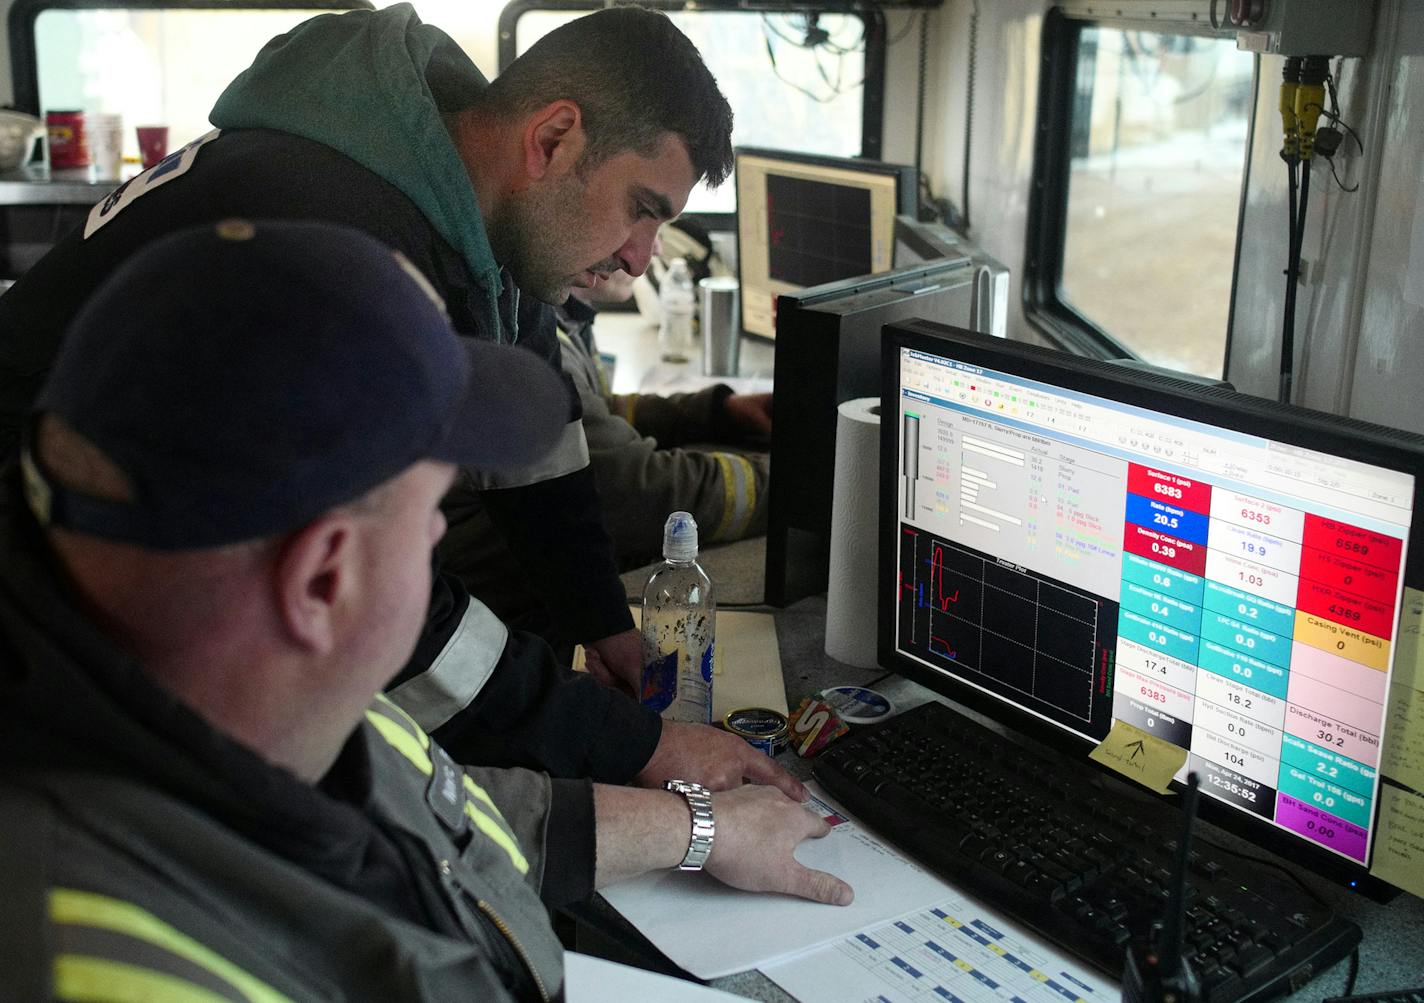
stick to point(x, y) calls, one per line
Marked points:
point(66, 140)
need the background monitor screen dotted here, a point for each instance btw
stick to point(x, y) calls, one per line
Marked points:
point(804, 220)
point(1069, 545)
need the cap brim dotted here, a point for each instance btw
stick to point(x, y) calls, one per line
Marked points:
point(515, 409)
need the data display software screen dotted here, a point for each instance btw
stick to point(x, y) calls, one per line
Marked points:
point(1088, 560)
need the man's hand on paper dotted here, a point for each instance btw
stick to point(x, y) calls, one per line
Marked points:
point(758, 830)
point(716, 759)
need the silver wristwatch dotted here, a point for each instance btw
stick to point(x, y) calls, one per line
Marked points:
point(699, 803)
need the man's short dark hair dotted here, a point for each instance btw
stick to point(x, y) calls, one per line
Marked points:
point(635, 77)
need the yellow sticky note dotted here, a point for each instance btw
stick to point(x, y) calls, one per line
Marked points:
point(1399, 843)
point(1409, 652)
point(1402, 757)
point(1140, 756)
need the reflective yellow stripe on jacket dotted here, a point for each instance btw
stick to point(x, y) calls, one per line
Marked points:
point(739, 496)
point(159, 962)
point(407, 738)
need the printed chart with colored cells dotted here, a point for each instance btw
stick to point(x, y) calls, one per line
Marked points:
point(1089, 561)
point(1257, 636)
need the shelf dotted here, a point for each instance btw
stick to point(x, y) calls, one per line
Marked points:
point(36, 184)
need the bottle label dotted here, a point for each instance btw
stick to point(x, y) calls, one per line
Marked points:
point(694, 694)
point(660, 682)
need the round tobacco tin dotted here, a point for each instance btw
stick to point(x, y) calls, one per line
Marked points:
point(762, 727)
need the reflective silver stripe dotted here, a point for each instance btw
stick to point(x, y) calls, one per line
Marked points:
point(456, 677)
point(570, 453)
point(739, 496)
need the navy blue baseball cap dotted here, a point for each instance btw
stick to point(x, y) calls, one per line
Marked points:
point(247, 377)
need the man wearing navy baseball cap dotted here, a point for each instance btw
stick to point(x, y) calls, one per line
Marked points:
point(214, 553)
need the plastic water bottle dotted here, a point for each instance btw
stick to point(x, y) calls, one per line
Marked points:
point(679, 628)
point(675, 296)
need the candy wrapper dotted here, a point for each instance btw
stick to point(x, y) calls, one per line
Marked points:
point(813, 726)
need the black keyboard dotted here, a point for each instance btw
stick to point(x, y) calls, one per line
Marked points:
point(1055, 846)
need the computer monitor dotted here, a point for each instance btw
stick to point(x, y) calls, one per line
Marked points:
point(828, 351)
point(804, 220)
point(1066, 544)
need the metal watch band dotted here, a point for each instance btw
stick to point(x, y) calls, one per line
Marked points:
point(699, 803)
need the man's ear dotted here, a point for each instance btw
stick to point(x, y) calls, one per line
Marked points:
point(314, 577)
point(553, 139)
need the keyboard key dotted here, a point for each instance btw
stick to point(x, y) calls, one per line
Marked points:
point(896, 795)
point(972, 846)
point(1253, 960)
point(1021, 872)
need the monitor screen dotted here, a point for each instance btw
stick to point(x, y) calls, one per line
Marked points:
point(804, 220)
point(1070, 544)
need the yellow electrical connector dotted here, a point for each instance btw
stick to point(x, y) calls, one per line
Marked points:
point(1290, 125)
point(1309, 103)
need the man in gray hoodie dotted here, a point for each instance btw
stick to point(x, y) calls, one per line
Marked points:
point(554, 175)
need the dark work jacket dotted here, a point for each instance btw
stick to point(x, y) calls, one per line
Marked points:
point(135, 833)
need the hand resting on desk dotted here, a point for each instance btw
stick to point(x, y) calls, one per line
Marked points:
point(749, 415)
point(617, 661)
point(716, 759)
point(758, 830)
point(697, 752)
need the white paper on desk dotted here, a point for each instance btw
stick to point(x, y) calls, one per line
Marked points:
point(953, 951)
point(711, 930)
point(594, 980)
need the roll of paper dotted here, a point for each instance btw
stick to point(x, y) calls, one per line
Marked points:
point(855, 512)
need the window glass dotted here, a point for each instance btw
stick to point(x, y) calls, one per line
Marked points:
point(1158, 137)
point(150, 66)
point(784, 94)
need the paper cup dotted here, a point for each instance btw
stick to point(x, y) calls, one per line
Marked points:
point(152, 144)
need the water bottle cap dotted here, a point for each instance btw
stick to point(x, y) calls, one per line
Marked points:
point(680, 537)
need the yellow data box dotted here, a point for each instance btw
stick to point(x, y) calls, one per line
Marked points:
point(1347, 642)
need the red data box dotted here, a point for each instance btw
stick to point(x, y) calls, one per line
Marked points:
point(1182, 492)
point(1348, 574)
point(1369, 615)
point(1164, 549)
point(1352, 542)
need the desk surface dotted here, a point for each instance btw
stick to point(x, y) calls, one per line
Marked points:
point(633, 339)
point(1391, 956)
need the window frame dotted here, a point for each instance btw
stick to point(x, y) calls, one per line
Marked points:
point(872, 121)
point(24, 58)
point(1045, 306)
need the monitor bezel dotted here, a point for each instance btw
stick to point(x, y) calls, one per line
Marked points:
point(906, 199)
point(1385, 447)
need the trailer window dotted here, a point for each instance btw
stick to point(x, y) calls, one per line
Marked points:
point(1150, 167)
point(152, 65)
point(795, 80)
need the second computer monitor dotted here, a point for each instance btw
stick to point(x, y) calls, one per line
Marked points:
point(827, 352)
point(804, 220)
